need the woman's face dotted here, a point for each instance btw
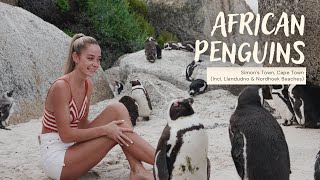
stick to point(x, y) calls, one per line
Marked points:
point(89, 60)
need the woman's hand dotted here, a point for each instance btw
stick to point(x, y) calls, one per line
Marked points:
point(115, 132)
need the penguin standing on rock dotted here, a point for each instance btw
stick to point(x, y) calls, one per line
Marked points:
point(190, 70)
point(183, 146)
point(197, 86)
point(259, 148)
point(118, 87)
point(140, 95)
point(6, 109)
point(150, 49)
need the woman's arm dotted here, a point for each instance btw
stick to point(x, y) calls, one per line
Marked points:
point(60, 103)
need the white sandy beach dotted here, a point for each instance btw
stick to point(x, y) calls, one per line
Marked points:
point(20, 156)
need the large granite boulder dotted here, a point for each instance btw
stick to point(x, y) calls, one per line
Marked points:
point(194, 19)
point(172, 68)
point(32, 56)
point(311, 51)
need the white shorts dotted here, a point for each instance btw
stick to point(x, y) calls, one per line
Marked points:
point(52, 152)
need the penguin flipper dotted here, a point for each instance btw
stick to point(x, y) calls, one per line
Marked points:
point(148, 99)
point(160, 169)
point(237, 151)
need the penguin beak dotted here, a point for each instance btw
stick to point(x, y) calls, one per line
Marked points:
point(190, 100)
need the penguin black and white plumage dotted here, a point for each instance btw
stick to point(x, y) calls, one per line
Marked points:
point(280, 97)
point(191, 70)
point(183, 146)
point(132, 108)
point(171, 45)
point(140, 95)
point(150, 49)
point(118, 87)
point(159, 50)
point(197, 87)
point(6, 109)
point(305, 102)
point(317, 167)
point(259, 148)
point(187, 46)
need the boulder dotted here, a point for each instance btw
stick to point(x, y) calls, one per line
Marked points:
point(194, 19)
point(171, 68)
point(32, 56)
point(311, 51)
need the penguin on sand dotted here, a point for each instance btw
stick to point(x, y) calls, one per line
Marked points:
point(280, 96)
point(317, 167)
point(183, 136)
point(140, 95)
point(6, 109)
point(259, 148)
point(132, 108)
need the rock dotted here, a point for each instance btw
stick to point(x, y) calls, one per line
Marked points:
point(32, 56)
point(171, 68)
point(11, 2)
point(311, 51)
point(194, 19)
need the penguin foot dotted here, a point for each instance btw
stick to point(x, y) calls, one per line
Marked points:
point(146, 118)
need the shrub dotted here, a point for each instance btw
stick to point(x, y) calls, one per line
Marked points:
point(63, 5)
point(139, 7)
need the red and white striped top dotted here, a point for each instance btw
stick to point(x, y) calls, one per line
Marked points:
point(76, 115)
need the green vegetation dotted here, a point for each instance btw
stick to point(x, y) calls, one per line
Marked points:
point(166, 36)
point(63, 5)
point(119, 25)
point(69, 32)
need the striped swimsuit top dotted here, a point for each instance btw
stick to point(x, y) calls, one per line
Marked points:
point(76, 115)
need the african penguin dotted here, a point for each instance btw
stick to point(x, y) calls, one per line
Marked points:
point(132, 108)
point(305, 102)
point(317, 167)
point(182, 136)
point(188, 46)
point(118, 87)
point(197, 86)
point(280, 97)
point(190, 70)
point(140, 95)
point(258, 146)
point(159, 53)
point(150, 49)
point(171, 45)
point(6, 109)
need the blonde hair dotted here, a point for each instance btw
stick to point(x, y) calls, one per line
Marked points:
point(78, 42)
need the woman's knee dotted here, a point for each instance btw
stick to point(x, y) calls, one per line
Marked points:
point(118, 108)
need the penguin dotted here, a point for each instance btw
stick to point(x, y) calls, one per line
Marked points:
point(258, 146)
point(317, 167)
point(197, 86)
point(150, 49)
point(183, 135)
point(188, 46)
point(132, 108)
point(140, 95)
point(190, 70)
point(280, 96)
point(118, 87)
point(171, 45)
point(304, 100)
point(6, 109)
point(159, 53)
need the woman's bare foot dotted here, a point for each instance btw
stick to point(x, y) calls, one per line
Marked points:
point(141, 174)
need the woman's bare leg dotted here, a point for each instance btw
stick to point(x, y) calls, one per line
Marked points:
point(81, 157)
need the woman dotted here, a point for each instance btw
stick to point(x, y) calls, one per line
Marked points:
point(71, 144)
